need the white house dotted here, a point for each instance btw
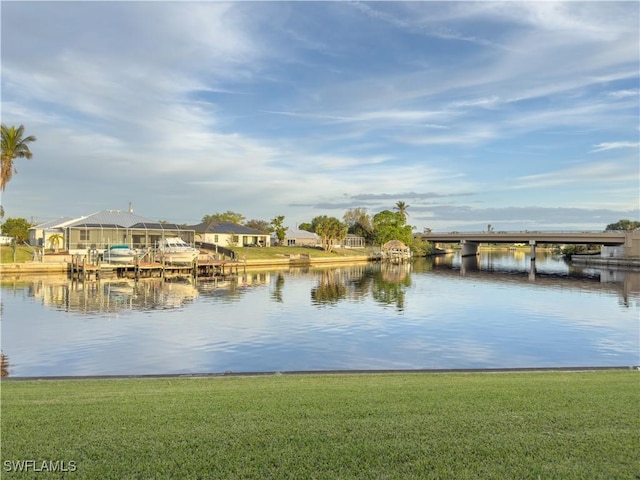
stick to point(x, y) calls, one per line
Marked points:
point(229, 234)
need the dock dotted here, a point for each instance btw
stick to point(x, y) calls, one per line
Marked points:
point(83, 268)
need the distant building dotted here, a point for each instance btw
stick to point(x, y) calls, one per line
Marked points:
point(353, 241)
point(395, 251)
point(300, 238)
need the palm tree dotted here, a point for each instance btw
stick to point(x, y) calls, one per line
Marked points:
point(55, 240)
point(401, 207)
point(13, 146)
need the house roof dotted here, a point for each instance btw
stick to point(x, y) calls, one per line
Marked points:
point(225, 227)
point(394, 245)
point(57, 223)
point(300, 234)
point(120, 219)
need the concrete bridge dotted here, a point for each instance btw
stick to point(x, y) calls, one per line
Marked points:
point(615, 243)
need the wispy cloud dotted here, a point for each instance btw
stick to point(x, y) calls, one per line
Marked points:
point(579, 174)
point(624, 94)
point(615, 145)
point(264, 107)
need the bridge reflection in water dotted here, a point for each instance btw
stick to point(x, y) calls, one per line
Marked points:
point(626, 283)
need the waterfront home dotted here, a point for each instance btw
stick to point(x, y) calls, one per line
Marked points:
point(99, 231)
point(229, 234)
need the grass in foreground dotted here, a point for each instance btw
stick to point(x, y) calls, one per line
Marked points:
point(404, 426)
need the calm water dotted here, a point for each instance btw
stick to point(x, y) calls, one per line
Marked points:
point(486, 313)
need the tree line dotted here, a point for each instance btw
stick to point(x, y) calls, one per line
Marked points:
point(376, 230)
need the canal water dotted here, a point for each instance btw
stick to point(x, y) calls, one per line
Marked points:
point(492, 311)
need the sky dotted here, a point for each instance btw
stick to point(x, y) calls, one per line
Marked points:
point(520, 115)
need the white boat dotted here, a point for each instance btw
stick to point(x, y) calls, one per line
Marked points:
point(177, 251)
point(119, 254)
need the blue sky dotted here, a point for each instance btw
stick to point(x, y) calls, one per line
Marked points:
point(520, 115)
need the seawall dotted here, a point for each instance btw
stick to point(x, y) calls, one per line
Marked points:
point(63, 267)
point(597, 261)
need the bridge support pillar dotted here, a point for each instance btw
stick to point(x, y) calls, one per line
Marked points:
point(469, 264)
point(469, 249)
point(533, 249)
point(532, 271)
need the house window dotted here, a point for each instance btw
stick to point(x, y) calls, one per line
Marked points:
point(84, 235)
point(215, 239)
point(291, 242)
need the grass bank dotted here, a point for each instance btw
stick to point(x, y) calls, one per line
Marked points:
point(23, 254)
point(397, 426)
point(276, 253)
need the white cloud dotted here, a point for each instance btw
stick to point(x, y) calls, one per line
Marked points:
point(615, 145)
point(250, 107)
point(582, 173)
point(624, 93)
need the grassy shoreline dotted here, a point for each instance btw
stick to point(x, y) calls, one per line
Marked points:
point(410, 425)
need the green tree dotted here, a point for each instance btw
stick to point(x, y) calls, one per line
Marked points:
point(278, 227)
point(14, 145)
point(390, 225)
point(422, 248)
point(359, 223)
point(401, 207)
point(227, 216)
point(306, 226)
point(623, 225)
point(260, 225)
point(17, 228)
point(330, 229)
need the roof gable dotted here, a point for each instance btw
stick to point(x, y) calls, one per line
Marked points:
point(57, 223)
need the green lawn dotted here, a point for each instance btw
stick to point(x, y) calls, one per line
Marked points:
point(259, 253)
point(22, 255)
point(559, 425)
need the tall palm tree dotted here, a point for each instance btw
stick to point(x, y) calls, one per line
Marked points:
point(13, 146)
point(401, 207)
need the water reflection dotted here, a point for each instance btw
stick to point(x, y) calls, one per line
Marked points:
point(390, 285)
point(546, 271)
point(276, 294)
point(386, 284)
point(330, 289)
point(442, 312)
point(113, 296)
